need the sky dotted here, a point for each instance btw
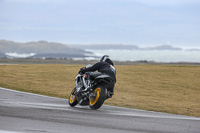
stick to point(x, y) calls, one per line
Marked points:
point(137, 22)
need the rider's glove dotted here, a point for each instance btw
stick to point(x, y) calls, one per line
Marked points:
point(82, 69)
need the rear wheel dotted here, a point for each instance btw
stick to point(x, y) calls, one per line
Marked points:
point(73, 98)
point(97, 98)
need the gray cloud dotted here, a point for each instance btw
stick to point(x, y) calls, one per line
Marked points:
point(102, 21)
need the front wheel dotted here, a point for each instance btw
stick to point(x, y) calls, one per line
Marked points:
point(73, 98)
point(97, 98)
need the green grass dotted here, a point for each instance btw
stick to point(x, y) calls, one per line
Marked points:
point(163, 88)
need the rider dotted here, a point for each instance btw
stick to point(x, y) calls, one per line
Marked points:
point(105, 66)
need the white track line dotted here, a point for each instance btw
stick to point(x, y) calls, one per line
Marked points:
point(31, 94)
point(121, 113)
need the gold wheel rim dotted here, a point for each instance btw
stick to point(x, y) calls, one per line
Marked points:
point(97, 91)
point(72, 97)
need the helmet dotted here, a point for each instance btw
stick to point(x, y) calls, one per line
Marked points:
point(104, 58)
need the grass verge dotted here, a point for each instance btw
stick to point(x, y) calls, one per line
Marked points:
point(164, 88)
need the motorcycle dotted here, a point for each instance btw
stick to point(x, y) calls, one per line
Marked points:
point(91, 89)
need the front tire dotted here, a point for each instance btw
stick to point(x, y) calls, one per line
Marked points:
point(97, 101)
point(73, 98)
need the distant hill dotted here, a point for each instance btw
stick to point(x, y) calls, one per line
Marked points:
point(124, 47)
point(41, 48)
point(193, 49)
point(105, 46)
point(2, 55)
point(163, 47)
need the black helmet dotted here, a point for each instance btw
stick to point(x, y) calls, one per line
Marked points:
point(104, 58)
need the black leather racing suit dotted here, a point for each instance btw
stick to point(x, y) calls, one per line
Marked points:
point(105, 68)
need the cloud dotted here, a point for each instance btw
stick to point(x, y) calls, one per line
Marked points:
point(146, 2)
point(101, 20)
point(35, 1)
point(167, 2)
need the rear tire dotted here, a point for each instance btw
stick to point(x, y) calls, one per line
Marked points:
point(98, 100)
point(73, 98)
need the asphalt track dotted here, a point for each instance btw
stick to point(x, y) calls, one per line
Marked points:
point(31, 113)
